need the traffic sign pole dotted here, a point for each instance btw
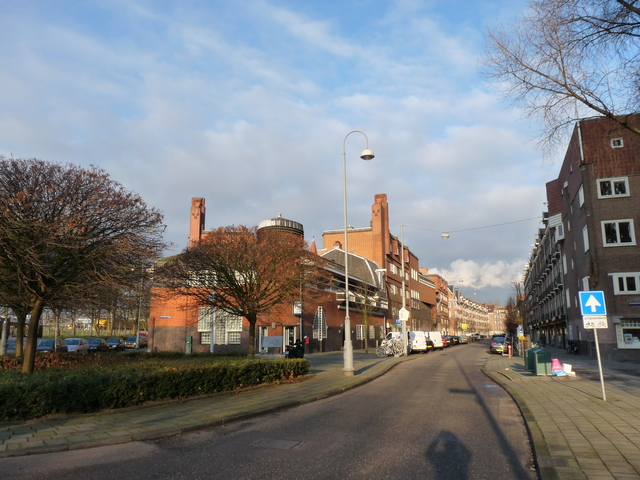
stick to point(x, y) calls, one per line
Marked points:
point(594, 316)
point(604, 395)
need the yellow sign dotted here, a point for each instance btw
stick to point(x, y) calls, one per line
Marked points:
point(464, 326)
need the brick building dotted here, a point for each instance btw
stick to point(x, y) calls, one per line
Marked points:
point(376, 243)
point(174, 322)
point(589, 243)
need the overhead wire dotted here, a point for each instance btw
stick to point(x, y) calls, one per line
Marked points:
point(474, 228)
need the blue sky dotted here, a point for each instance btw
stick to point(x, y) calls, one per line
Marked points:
point(247, 103)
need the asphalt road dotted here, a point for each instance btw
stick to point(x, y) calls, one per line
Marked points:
point(436, 417)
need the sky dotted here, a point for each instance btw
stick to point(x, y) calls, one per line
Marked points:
point(248, 104)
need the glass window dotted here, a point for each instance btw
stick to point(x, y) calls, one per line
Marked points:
point(613, 187)
point(629, 333)
point(618, 232)
point(626, 283)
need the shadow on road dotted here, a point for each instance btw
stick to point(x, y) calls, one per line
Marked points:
point(449, 457)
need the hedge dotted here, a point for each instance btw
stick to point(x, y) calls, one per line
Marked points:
point(98, 387)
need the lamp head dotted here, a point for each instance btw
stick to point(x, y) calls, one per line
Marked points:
point(367, 154)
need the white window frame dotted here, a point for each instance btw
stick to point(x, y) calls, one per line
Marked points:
point(612, 187)
point(581, 195)
point(585, 238)
point(617, 142)
point(360, 331)
point(372, 332)
point(625, 276)
point(628, 323)
point(617, 224)
point(228, 328)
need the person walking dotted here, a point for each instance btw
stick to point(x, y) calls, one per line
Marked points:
point(543, 340)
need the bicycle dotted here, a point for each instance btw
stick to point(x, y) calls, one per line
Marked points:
point(386, 349)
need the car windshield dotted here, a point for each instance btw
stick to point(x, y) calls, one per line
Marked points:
point(113, 340)
point(94, 341)
point(498, 339)
point(46, 342)
point(72, 341)
point(131, 339)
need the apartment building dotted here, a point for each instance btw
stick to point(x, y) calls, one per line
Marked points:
point(589, 243)
point(378, 244)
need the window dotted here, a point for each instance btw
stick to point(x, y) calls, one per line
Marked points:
point(626, 283)
point(228, 328)
point(320, 324)
point(585, 284)
point(205, 315)
point(581, 195)
point(564, 264)
point(372, 332)
point(568, 298)
point(613, 187)
point(560, 232)
point(585, 238)
point(360, 332)
point(205, 338)
point(629, 333)
point(617, 142)
point(618, 232)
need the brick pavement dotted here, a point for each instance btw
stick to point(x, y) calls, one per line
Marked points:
point(575, 433)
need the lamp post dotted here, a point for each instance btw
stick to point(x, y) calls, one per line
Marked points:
point(348, 346)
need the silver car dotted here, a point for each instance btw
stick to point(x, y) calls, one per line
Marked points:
point(77, 345)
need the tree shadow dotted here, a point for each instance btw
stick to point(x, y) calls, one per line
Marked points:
point(448, 457)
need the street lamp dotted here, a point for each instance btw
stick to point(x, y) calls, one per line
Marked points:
point(348, 346)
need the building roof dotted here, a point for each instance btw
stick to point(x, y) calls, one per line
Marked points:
point(359, 267)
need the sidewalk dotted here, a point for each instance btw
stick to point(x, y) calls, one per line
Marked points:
point(162, 419)
point(577, 435)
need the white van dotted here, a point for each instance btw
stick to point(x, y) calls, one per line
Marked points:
point(436, 338)
point(418, 342)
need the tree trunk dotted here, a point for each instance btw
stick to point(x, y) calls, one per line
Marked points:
point(32, 337)
point(251, 351)
point(22, 319)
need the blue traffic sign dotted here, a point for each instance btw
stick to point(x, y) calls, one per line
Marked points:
point(592, 303)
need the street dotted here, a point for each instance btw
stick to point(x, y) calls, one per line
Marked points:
point(435, 417)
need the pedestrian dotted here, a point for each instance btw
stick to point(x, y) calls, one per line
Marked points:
point(543, 340)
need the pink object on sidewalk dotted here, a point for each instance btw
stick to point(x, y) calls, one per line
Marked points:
point(555, 364)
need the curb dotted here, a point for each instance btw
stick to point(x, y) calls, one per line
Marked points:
point(164, 432)
point(538, 442)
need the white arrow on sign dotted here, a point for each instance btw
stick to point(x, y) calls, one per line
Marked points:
point(593, 303)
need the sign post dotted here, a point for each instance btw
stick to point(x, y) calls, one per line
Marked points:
point(594, 316)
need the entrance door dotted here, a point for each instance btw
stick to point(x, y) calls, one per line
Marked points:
point(263, 332)
point(289, 335)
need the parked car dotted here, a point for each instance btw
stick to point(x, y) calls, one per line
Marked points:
point(130, 342)
point(447, 341)
point(430, 345)
point(115, 343)
point(11, 344)
point(455, 339)
point(463, 339)
point(498, 344)
point(77, 345)
point(97, 344)
point(51, 345)
point(436, 338)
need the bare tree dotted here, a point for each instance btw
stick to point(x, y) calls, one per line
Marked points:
point(566, 59)
point(241, 271)
point(64, 229)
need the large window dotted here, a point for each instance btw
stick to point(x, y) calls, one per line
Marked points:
point(228, 328)
point(618, 232)
point(629, 333)
point(626, 283)
point(613, 187)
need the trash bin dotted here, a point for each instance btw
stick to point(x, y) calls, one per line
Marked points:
point(530, 359)
point(542, 362)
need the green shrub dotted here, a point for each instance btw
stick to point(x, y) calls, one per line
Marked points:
point(149, 377)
